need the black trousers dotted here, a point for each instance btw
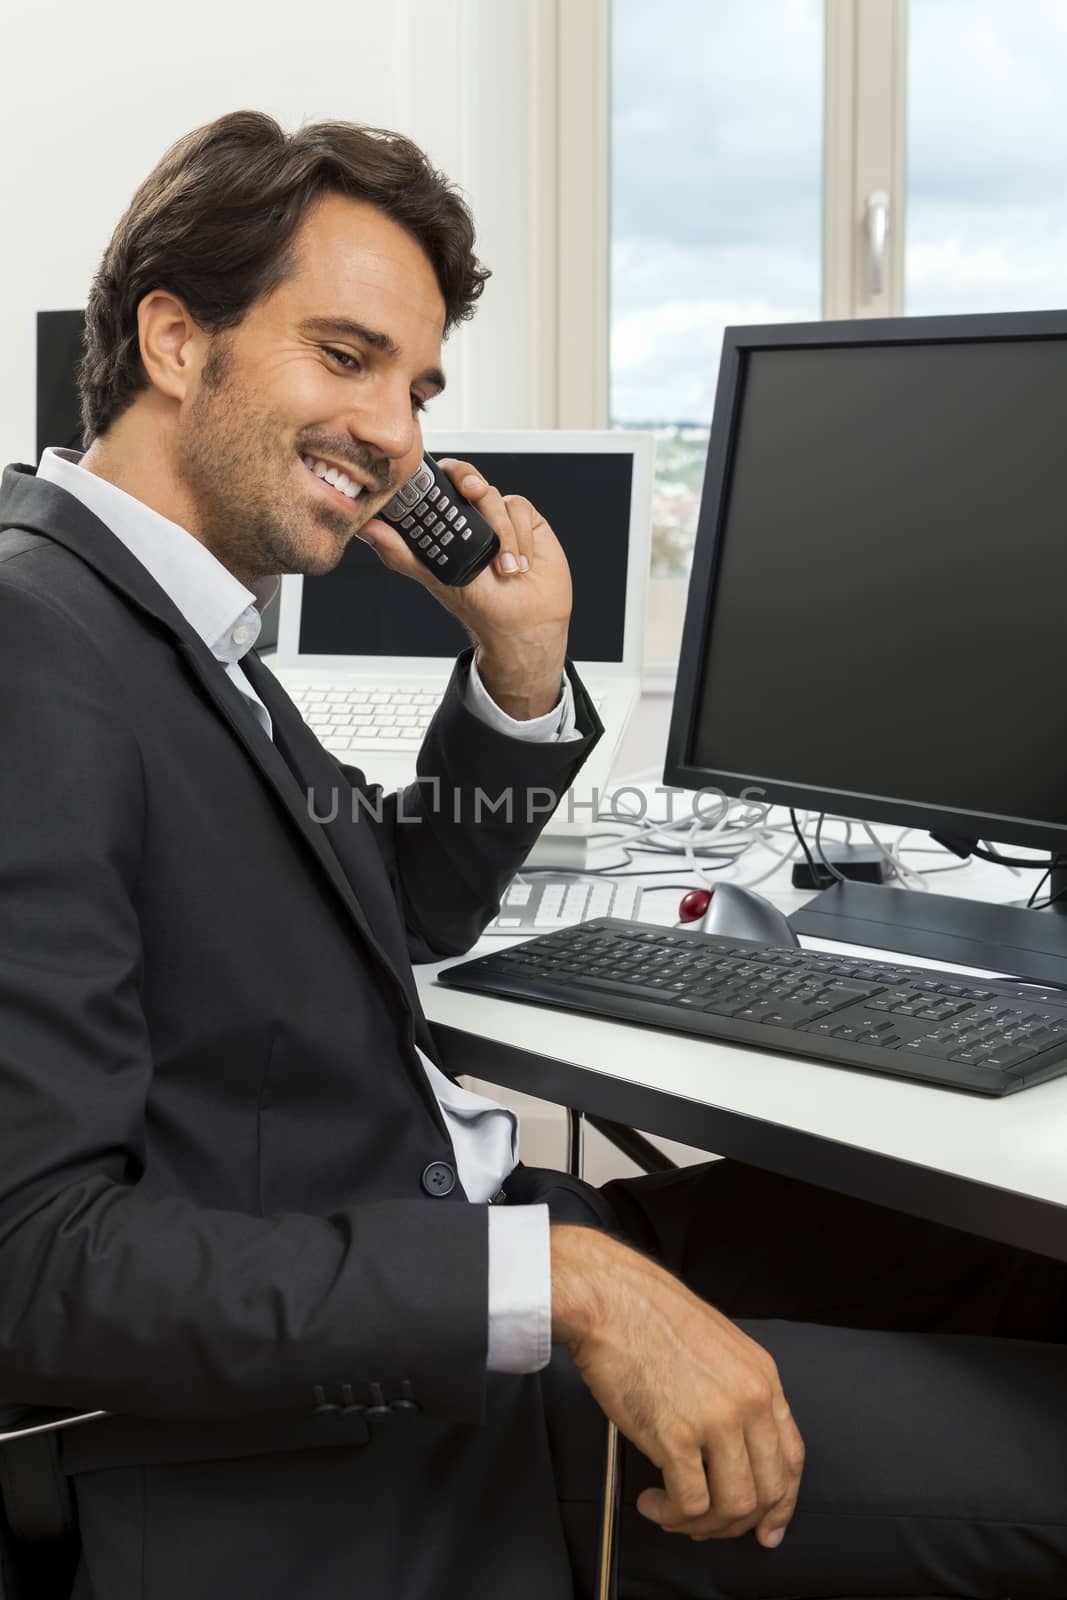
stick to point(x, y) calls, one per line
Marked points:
point(926, 1370)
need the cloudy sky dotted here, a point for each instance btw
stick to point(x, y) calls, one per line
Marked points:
point(717, 156)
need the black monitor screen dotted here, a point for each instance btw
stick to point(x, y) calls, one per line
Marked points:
point(362, 608)
point(889, 580)
point(59, 350)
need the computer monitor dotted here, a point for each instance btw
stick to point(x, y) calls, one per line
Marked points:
point(873, 623)
point(59, 350)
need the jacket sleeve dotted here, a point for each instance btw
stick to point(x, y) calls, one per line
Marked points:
point(113, 1297)
point(453, 839)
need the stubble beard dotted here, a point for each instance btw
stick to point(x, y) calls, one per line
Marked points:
point(225, 460)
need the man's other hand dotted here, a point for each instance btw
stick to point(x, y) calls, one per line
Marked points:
point(698, 1397)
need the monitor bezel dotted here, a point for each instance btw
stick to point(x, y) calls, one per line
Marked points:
point(680, 770)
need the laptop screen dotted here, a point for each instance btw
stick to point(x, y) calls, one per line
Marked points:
point(361, 608)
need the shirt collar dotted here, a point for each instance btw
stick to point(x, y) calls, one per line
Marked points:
point(215, 604)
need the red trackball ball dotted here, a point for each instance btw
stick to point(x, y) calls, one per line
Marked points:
point(694, 905)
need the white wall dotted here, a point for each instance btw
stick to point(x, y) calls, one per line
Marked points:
point(93, 95)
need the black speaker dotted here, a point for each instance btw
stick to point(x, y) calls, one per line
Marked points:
point(59, 350)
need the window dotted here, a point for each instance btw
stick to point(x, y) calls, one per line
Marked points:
point(987, 156)
point(716, 218)
point(779, 160)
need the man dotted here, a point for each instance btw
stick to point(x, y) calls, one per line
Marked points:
point(241, 1207)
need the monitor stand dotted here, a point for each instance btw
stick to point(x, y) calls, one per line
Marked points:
point(969, 933)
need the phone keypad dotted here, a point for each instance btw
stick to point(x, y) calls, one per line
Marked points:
point(429, 517)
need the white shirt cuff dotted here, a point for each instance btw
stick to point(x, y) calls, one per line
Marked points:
point(520, 1289)
point(556, 726)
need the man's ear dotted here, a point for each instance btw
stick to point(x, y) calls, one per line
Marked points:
point(173, 347)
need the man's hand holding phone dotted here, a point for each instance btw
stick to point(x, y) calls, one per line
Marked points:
point(517, 610)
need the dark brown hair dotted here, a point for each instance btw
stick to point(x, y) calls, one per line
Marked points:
point(214, 222)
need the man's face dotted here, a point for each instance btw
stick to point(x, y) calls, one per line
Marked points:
point(332, 367)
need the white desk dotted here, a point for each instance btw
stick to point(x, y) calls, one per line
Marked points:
point(993, 1167)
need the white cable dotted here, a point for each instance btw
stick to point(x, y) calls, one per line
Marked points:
point(905, 873)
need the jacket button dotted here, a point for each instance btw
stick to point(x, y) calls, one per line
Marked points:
point(439, 1178)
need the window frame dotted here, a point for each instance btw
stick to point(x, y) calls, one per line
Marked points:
point(864, 121)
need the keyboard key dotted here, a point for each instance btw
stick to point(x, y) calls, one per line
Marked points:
point(1013, 1056)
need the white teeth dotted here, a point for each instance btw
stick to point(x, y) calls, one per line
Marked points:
point(334, 476)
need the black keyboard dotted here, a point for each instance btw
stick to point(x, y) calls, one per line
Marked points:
point(992, 1036)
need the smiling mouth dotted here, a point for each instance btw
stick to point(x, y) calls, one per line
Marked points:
point(333, 479)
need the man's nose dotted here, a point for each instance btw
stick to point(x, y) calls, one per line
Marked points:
point(387, 425)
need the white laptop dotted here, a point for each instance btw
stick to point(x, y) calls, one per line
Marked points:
point(366, 654)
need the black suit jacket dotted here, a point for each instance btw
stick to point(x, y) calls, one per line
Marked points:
point(213, 1123)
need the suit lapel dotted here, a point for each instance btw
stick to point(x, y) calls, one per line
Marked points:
point(350, 864)
point(327, 796)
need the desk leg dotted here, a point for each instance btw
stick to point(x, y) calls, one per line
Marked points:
point(608, 1555)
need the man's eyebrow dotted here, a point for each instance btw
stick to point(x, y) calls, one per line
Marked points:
point(348, 328)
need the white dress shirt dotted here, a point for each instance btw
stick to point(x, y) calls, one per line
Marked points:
point(484, 1135)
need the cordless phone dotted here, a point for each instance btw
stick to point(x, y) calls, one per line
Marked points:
point(442, 529)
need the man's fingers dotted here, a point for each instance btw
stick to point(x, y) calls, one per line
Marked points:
point(773, 1480)
point(470, 483)
point(771, 1528)
point(392, 551)
point(735, 1502)
point(521, 513)
point(491, 505)
point(684, 1496)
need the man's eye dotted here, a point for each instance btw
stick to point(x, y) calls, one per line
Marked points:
point(418, 404)
point(342, 357)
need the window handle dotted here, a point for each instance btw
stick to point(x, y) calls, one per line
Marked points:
point(877, 235)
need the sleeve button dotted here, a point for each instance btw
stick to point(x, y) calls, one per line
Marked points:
point(324, 1408)
point(351, 1407)
point(377, 1407)
point(406, 1403)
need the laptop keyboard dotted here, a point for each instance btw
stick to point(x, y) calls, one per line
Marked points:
point(540, 904)
point(386, 718)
